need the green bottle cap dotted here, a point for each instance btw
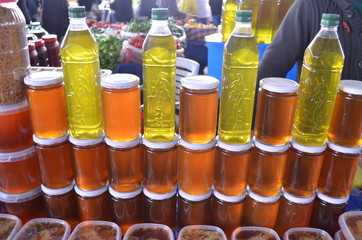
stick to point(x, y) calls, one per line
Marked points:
point(159, 14)
point(77, 12)
point(330, 20)
point(244, 15)
point(35, 24)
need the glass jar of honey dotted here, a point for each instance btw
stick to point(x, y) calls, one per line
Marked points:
point(196, 167)
point(198, 109)
point(161, 166)
point(121, 107)
point(231, 168)
point(126, 164)
point(302, 169)
point(48, 117)
point(277, 99)
point(90, 163)
point(55, 161)
point(269, 162)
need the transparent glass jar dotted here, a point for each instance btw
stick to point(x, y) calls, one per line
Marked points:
point(52, 45)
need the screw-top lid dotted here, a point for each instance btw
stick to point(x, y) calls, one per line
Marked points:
point(337, 148)
point(57, 192)
point(18, 156)
point(123, 144)
point(230, 199)
point(39, 43)
point(279, 85)
point(85, 142)
point(269, 148)
point(50, 38)
point(244, 15)
point(199, 82)
point(124, 195)
point(330, 20)
point(20, 197)
point(44, 78)
point(155, 196)
point(351, 86)
point(307, 149)
point(120, 81)
point(262, 199)
point(31, 46)
point(159, 14)
point(298, 200)
point(194, 146)
point(233, 147)
point(195, 198)
point(49, 142)
point(92, 193)
point(160, 145)
point(77, 12)
point(35, 24)
point(331, 200)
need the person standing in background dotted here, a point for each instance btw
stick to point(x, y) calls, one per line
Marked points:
point(173, 10)
point(55, 17)
point(123, 10)
point(144, 8)
point(203, 11)
point(216, 9)
point(23, 5)
point(188, 7)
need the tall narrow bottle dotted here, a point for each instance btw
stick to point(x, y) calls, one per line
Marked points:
point(228, 18)
point(80, 60)
point(159, 68)
point(321, 72)
point(238, 82)
point(252, 5)
point(265, 22)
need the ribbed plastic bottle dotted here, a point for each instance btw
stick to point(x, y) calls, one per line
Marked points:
point(228, 18)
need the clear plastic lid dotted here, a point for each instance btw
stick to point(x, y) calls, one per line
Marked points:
point(199, 82)
point(201, 232)
point(351, 86)
point(120, 81)
point(14, 108)
point(337, 148)
point(86, 142)
point(259, 233)
point(13, 223)
point(350, 224)
point(262, 199)
point(92, 193)
point(96, 230)
point(298, 200)
point(20, 197)
point(306, 233)
point(233, 147)
point(50, 227)
point(124, 195)
point(49, 142)
point(331, 200)
point(57, 192)
point(43, 78)
point(279, 85)
point(195, 198)
point(123, 144)
point(230, 199)
point(18, 156)
point(269, 148)
point(160, 145)
point(159, 231)
point(307, 149)
point(339, 235)
point(193, 146)
point(155, 196)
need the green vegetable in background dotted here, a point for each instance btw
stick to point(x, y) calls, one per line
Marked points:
point(109, 51)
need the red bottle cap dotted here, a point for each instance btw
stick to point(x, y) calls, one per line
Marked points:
point(39, 43)
point(31, 45)
point(50, 38)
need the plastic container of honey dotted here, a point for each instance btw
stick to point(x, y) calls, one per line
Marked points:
point(161, 166)
point(9, 226)
point(149, 231)
point(196, 167)
point(55, 161)
point(231, 168)
point(350, 223)
point(126, 165)
point(339, 236)
point(198, 109)
point(15, 132)
point(96, 230)
point(127, 208)
point(306, 233)
point(121, 107)
point(201, 232)
point(90, 163)
point(47, 104)
point(19, 171)
point(267, 161)
point(260, 233)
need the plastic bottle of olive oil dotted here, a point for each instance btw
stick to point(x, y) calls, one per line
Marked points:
point(240, 67)
point(322, 67)
point(159, 68)
point(228, 18)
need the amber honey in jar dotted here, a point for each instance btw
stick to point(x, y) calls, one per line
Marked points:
point(293, 212)
point(194, 209)
point(198, 109)
point(231, 168)
point(266, 168)
point(227, 211)
point(260, 211)
point(161, 166)
point(47, 104)
point(15, 131)
point(90, 163)
point(277, 98)
point(19, 171)
point(196, 167)
point(346, 127)
point(26, 206)
point(55, 161)
point(93, 205)
point(127, 208)
point(62, 204)
point(121, 107)
point(160, 208)
point(326, 211)
point(338, 170)
point(126, 164)
point(302, 169)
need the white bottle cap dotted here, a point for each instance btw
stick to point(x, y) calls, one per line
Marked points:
point(351, 86)
point(337, 148)
point(57, 192)
point(120, 81)
point(308, 149)
point(298, 200)
point(199, 82)
point(155, 196)
point(124, 195)
point(49, 142)
point(195, 198)
point(86, 142)
point(230, 199)
point(279, 85)
point(43, 78)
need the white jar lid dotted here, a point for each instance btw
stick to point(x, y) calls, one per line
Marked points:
point(308, 149)
point(331, 200)
point(124, 195)
point(233, 147)
point(14, 108)
point(337, 148)
point(269, 148)
point(263, 199)
point(193, 146)
point(20, 197)
point(230, 199)
point(86, 142)
point(120, 81)
point(43, 78)
point(199, 82)
point(279, 85)
point(57, 192)
point(351, 86)
point(114, 144)
point(298, 200)
point(155, 196)
point(92, 193)
point(18, 156)
point(160, 145)
point(195, 198)
point(48, 142)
